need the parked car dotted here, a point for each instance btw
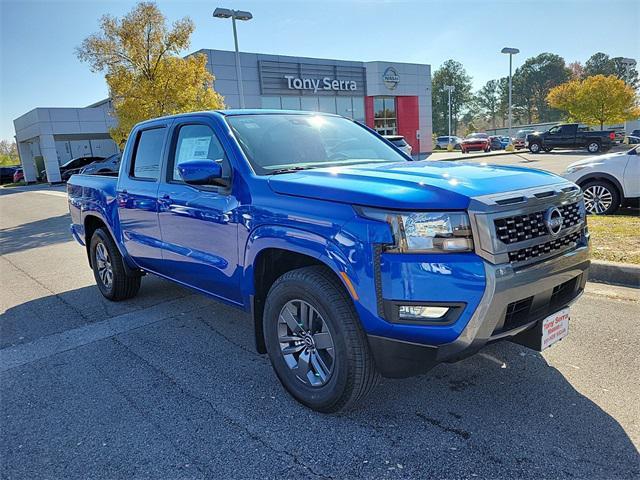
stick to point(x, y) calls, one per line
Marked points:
point(442, 143)
point(495, 142)
point(18, 175)
point(520, 138)
point(570, 135)
point(477, 142)
point(106, 166)
point(635, 133)
point(631, 140)
point(353, 261)
point(608, 181)
point(73, 164)
point(400, 142)
point(6, 174)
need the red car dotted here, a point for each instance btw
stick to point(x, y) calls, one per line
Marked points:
point(476, 141)
point(18, 175)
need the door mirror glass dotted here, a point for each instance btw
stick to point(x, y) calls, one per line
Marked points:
point(200, 172)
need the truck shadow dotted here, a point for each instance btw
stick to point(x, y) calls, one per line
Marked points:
point(504, 413)
point(39, 233)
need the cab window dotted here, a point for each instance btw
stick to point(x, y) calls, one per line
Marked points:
point(147, 155)
point(197, 142)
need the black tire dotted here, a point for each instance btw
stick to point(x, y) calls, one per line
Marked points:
point(353, 374)
point(594, 147)
point(121, 286)
point(535, 147)
point(606, 191)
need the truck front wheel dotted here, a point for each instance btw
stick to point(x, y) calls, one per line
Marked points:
point(535, 147)
point(109, 270)
point(315, 342)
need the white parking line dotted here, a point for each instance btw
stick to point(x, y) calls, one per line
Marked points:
point(12, 357)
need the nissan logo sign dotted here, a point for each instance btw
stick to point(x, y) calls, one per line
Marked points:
point(391, 78)
point(553, 220)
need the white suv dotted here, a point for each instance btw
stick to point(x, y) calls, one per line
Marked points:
point(607, 180)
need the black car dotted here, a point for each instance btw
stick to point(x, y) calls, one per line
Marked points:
point(6, 174)
point(635, 133)
point(107, 166)
point(73, 164)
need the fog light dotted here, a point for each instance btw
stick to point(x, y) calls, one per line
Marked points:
point(413, 312)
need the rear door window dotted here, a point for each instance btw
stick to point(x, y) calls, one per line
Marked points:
point(148, 153)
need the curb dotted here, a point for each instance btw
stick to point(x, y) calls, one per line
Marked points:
point(623, 274)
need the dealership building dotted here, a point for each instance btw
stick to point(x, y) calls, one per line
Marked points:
point(391, 97)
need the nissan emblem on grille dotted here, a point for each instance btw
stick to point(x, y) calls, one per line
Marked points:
point(553, 220)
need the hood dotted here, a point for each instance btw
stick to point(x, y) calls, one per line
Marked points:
point(597, 160)
point(475, 139)
point(409, 185)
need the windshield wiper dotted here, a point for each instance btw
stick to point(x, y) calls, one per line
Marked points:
point(287, 170)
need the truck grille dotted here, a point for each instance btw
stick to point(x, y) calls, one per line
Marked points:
point(528, 253)
point(527, 226)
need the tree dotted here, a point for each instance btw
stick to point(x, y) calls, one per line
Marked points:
point(8, 152)
point(488, 100)
point(602, 64)
point(450, 73)
point(146, 76)
point(531, 84)
point(577, 70)
point(597, 99)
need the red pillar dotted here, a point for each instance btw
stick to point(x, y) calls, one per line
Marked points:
point(407, 113)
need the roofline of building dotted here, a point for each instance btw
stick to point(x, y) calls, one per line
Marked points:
point(294, 57)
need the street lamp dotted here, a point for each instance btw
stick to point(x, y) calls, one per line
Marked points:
point(449, 88)
point(511, 52)
point(235, 15)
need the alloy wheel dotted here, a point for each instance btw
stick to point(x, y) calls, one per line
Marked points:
point(306, 343)
point(593, 147)
point(103, 264)
point(597, 199)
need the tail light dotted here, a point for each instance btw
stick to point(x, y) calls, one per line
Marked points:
point(612, 136)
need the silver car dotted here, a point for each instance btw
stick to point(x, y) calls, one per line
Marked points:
point(442, 143)
point(400, 142)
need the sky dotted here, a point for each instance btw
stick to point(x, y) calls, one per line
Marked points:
point(38, 38)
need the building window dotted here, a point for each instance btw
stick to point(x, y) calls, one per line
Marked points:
point(309, 104)
point(385, 119)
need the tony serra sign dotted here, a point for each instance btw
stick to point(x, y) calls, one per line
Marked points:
point(315, 84)
point(292, 78)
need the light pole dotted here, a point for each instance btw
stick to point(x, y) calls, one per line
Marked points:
point(449, 88)
point(511, 52)
point(235, 15)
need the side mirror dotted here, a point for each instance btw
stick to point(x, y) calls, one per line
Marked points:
point(201, 172)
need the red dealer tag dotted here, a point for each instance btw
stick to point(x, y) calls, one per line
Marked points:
point(554, 328)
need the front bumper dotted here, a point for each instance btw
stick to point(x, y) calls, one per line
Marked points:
point(514, 301)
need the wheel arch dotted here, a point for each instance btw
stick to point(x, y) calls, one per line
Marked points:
point(272, 251)
point(93, 221)
point(602, 176)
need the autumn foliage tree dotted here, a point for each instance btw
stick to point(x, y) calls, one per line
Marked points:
point(146, 75)
point(595, 100)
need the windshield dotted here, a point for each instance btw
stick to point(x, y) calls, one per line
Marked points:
point(478, 135)
point(288, 141)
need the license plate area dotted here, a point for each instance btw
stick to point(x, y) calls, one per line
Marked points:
point(554, 328)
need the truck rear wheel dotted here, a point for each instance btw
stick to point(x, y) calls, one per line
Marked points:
point(315, 342)
point(109, 270)
point(593, 147)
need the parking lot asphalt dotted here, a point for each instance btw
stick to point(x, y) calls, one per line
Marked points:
point(555, 162)
point(168, 385)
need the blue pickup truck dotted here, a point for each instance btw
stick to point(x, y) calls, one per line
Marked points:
point(354, 261)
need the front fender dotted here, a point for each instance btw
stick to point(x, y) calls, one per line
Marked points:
point(299, 241)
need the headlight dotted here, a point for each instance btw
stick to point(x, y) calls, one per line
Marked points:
point(429, 232)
